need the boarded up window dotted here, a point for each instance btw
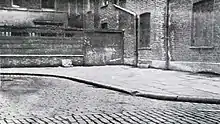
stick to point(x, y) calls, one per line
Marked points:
point(144, 30)
point(202, 23)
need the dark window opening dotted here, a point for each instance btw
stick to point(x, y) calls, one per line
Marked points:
point(104, 25)
point(144, 30)
point(202, 23)
point(48, 4)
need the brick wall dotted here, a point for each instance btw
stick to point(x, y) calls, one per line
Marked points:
point(87, 47)
point(119, 20)
point(181, 34)
point(156, 8)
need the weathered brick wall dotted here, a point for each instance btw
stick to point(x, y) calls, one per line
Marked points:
point(127, 22)
point(110, 15)
point(156, 8)
point(80, 46)
point(120, 20)
point(181, 34)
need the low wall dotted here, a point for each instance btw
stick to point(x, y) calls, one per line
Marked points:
point(22, 47)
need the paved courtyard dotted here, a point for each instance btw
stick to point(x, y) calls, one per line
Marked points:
point(51, 100)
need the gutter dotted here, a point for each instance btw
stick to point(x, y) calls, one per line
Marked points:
point(124, 9)
point(136, 32)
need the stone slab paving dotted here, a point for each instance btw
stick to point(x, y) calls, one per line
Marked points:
point(147, 80)
point(45, 100)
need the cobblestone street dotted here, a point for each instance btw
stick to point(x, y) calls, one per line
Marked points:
point(53, 100)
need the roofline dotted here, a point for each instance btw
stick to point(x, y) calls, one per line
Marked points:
point(124, 9)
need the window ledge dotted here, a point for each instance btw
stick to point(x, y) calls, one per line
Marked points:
point(144, 48)
point(201, 47)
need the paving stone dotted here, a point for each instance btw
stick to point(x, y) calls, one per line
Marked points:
point(71, 119)
point(16, 121)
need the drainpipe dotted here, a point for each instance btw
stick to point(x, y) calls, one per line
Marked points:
point(167, 63)
point(137, 39)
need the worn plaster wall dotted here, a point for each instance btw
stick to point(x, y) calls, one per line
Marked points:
point(104, 47)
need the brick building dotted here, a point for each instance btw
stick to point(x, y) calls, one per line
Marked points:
point(194, 35)
point(143, 25)
point(193, 32)
point(193, 27)
point(64, 13)
point(53, 32)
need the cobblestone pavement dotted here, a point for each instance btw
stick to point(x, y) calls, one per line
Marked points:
point(129, 117)
point(46, 100)
point(152, 81)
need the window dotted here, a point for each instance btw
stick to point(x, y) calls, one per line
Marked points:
point(105, 2)
point(144, 30)
point(202, 23)
point(48, 4)
point(16, 3)
point(104, 25)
